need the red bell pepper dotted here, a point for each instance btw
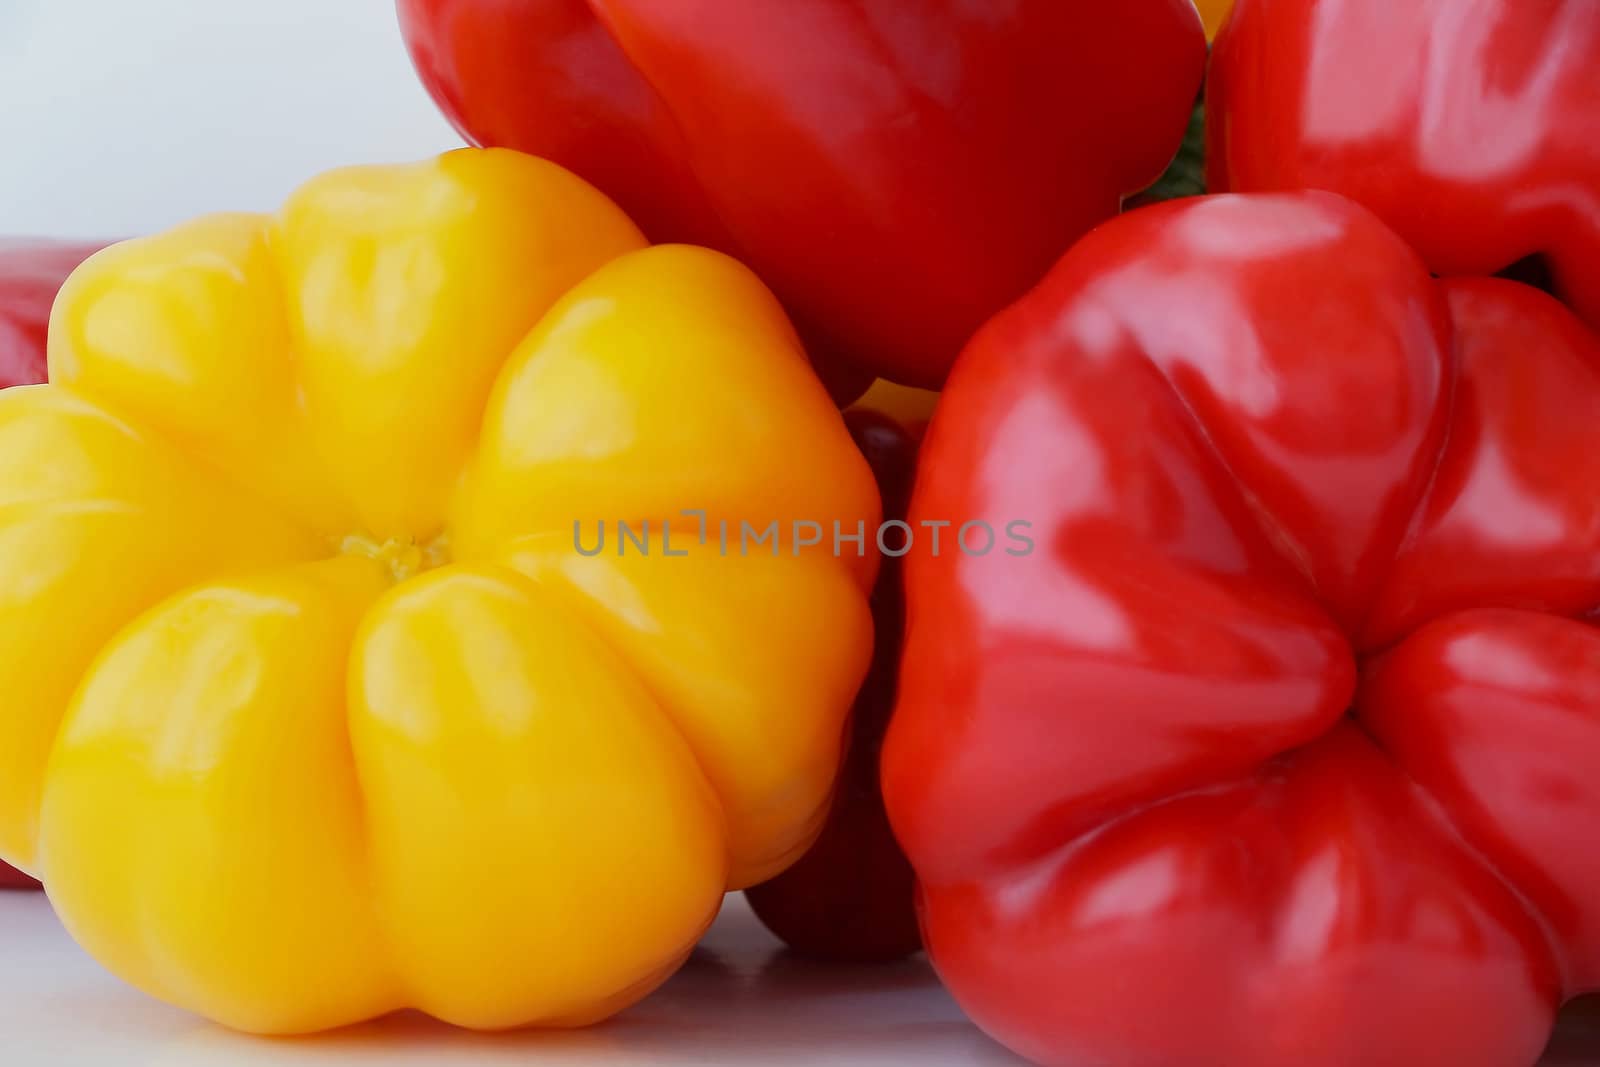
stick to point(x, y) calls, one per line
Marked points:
point(30, 273)
point(851, 896)
point(1471, 128)
point(31, 270)
point(898, 170)
point(1283, 747)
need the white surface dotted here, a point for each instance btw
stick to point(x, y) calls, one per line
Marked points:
point(122, 117)
point(740, 1000)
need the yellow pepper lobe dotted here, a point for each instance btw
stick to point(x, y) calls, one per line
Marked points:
point(312, 709)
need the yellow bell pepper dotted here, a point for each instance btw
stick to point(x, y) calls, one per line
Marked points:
point(1214, 13)
point(312, 709)
point(912, 408)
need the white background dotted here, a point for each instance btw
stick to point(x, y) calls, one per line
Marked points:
point(122, 117)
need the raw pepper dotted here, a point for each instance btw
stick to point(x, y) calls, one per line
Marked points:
point(897, 170)
point(1470, 127)
point(30, 273)
point(1284, 746)
point(850, 897)
point(297, 574)
point(1214, 12)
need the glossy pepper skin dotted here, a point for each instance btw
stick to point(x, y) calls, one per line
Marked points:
point(1470, 126)
point(1284, 745)
point(31, 270)
point(850, 898)
point(289, 582)
point(1214, 12)
point(897, 170)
